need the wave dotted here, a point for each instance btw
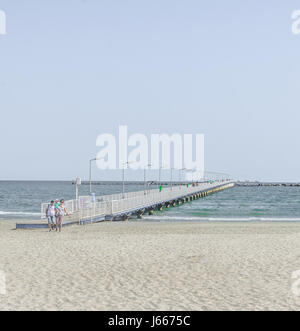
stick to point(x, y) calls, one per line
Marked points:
point(223, 219)
point(21, 213)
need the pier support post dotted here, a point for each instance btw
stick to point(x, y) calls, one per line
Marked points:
point(160, 208)
point(125, 218)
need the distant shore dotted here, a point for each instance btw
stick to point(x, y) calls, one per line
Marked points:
point(151, 266)
point(247, 183)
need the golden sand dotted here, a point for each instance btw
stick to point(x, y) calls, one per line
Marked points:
point(151, 266)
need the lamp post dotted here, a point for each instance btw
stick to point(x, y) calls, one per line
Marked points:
point(92, 160)
point(146, 167)
point(193, 178)
point(123, 177)
point(77, 183)
point(172, 179)
point(180, 176)
point(159, 174)
point(90, 176)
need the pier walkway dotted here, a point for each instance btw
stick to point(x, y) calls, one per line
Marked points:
point(120, 206)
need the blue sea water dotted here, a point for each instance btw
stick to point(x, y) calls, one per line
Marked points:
point(241, 204)
point(22, 199)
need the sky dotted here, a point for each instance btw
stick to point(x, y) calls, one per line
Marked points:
point(71, 70)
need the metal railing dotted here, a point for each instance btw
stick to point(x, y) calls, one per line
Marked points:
point(86, 208)
point(71, 205)
point(154, 197)
point(139, 200)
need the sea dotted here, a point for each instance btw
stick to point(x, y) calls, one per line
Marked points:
point(22, 200)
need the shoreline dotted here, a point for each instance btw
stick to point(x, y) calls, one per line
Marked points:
point(164, 218)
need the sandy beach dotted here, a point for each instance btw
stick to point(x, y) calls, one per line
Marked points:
point(151, 266)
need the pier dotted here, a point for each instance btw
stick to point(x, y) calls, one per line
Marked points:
point(122, 207)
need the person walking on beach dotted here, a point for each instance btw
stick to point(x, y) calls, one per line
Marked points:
point(56, 203)
point(50, 214)
point(61, 211)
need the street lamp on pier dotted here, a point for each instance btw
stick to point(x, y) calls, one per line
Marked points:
point(123, 177)
point(181, 170)
point(159, 174)
point(90, 172)
point(172, 178)
point(145, 178)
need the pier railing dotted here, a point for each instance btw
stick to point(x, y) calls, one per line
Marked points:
point(87, 207)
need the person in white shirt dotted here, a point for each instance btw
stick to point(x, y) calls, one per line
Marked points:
point(50, 214)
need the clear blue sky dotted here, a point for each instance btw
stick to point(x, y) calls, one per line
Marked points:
point(70, 70)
